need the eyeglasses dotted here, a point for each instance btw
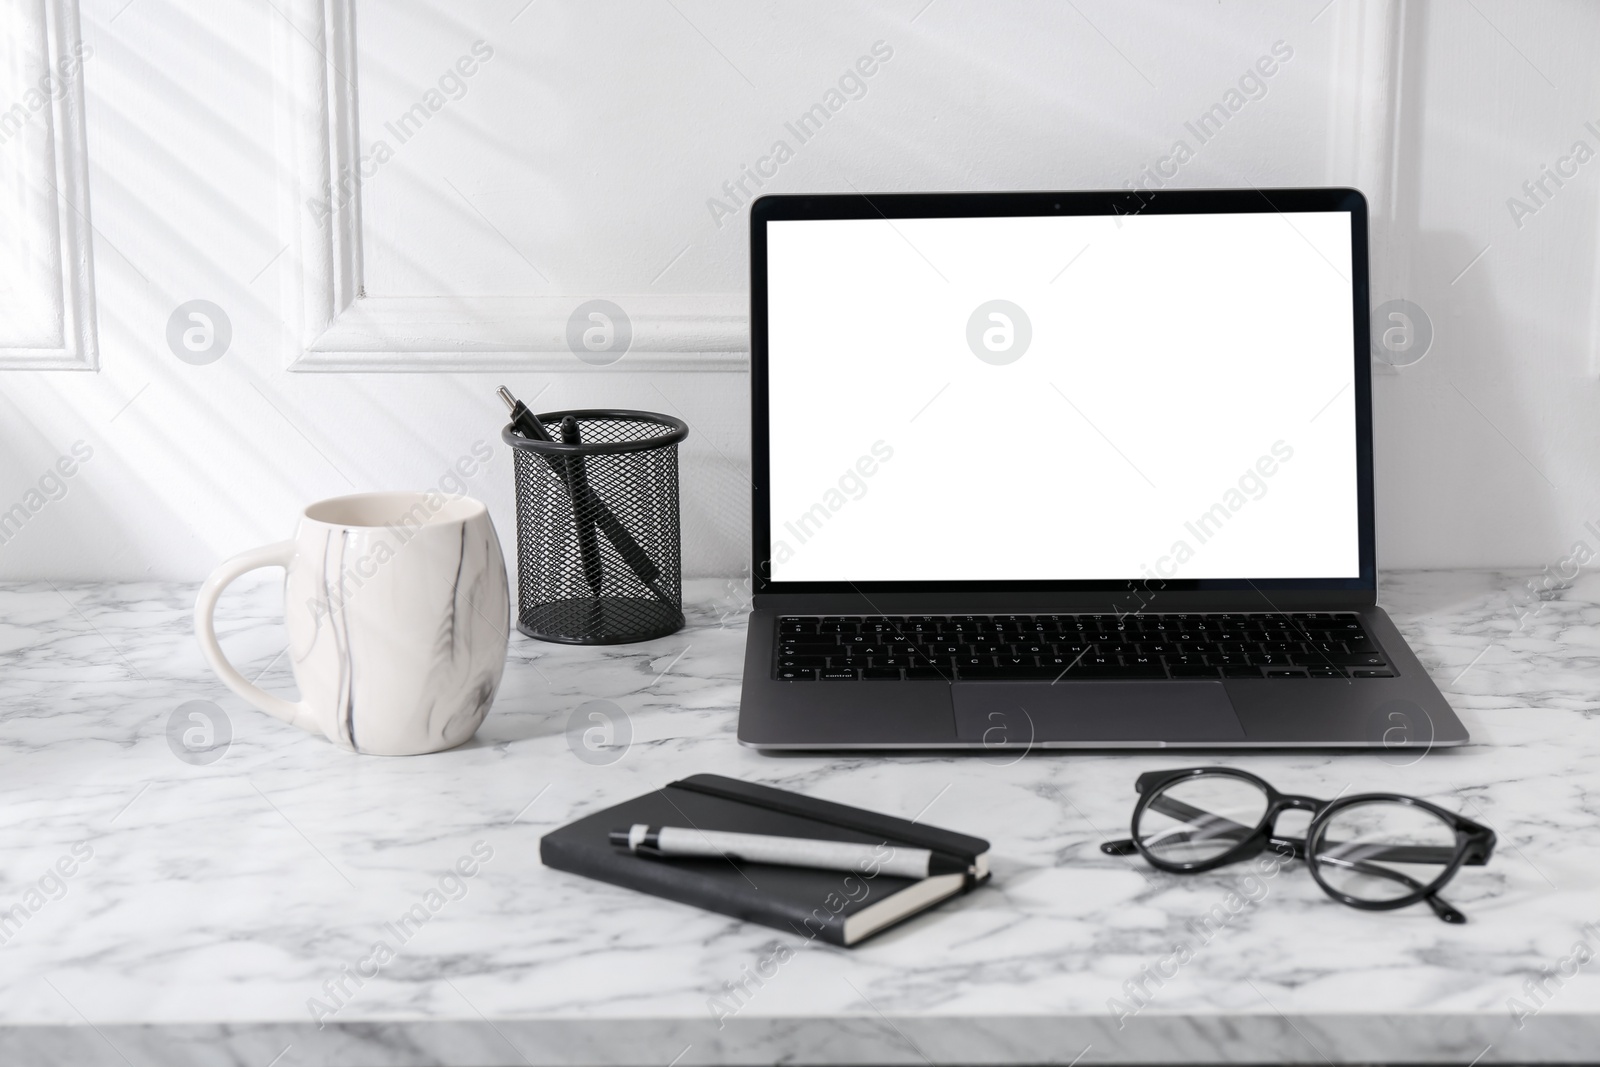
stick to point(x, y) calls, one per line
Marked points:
point(1374, 851)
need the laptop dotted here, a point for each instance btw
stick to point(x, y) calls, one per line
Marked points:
point(1068, 470)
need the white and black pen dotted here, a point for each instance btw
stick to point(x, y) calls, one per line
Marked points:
point(665, 842)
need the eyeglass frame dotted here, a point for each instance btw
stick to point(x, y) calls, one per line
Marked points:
point(1474, 841)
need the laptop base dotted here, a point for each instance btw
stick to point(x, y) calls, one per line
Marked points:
point(1403, 712)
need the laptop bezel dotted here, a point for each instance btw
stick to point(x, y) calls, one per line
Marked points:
point(1360, 589)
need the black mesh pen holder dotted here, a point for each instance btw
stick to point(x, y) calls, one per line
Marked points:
point(598, 555)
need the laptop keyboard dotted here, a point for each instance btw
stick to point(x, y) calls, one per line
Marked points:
point(1071, 647)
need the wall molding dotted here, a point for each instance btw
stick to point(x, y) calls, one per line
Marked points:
point(699, 332)
point(334, 326)
point(50, 146)
point(1365, 100)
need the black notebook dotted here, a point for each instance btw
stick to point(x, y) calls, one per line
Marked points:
point(841, 907)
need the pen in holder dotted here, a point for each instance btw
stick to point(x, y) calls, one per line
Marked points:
point(598, 555)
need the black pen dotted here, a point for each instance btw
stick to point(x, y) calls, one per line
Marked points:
point(525, 421)
point(578, 478)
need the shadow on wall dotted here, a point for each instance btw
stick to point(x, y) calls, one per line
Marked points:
point(1456, 432)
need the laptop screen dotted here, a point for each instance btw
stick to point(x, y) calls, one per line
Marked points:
point(1082, 397)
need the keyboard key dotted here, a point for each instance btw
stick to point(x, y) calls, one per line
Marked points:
point(1006, 674)
point(1325, 672)
point(930, 674)
point(792, 675)
point(1111, 672)
point(1190, 671)
point(1359, 673)
point(811, 646)
point(802, 662)
point(1358, 659)
point(1285, 672)
point(881, 674)
point(1241, 672)
point(833, 674)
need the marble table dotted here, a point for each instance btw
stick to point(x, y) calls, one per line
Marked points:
point(186, 881)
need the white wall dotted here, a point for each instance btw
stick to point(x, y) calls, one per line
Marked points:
point(578, 162)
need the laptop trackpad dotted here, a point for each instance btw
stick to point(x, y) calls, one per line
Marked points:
point(1019, 713)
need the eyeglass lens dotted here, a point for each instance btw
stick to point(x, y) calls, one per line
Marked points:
point(1194, 820)
point(1381, 850)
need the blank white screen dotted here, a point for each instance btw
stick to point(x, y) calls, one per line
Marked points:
point(1184, 408)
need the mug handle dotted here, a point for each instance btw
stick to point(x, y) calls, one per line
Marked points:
point(278, 555)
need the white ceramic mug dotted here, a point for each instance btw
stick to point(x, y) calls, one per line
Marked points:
point(398, 617)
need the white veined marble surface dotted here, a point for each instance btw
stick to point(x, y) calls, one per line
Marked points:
point(215, 902)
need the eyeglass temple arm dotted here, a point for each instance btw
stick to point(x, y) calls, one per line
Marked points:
point(1215, 826)
point(1218, 826)
point(1405, 853)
